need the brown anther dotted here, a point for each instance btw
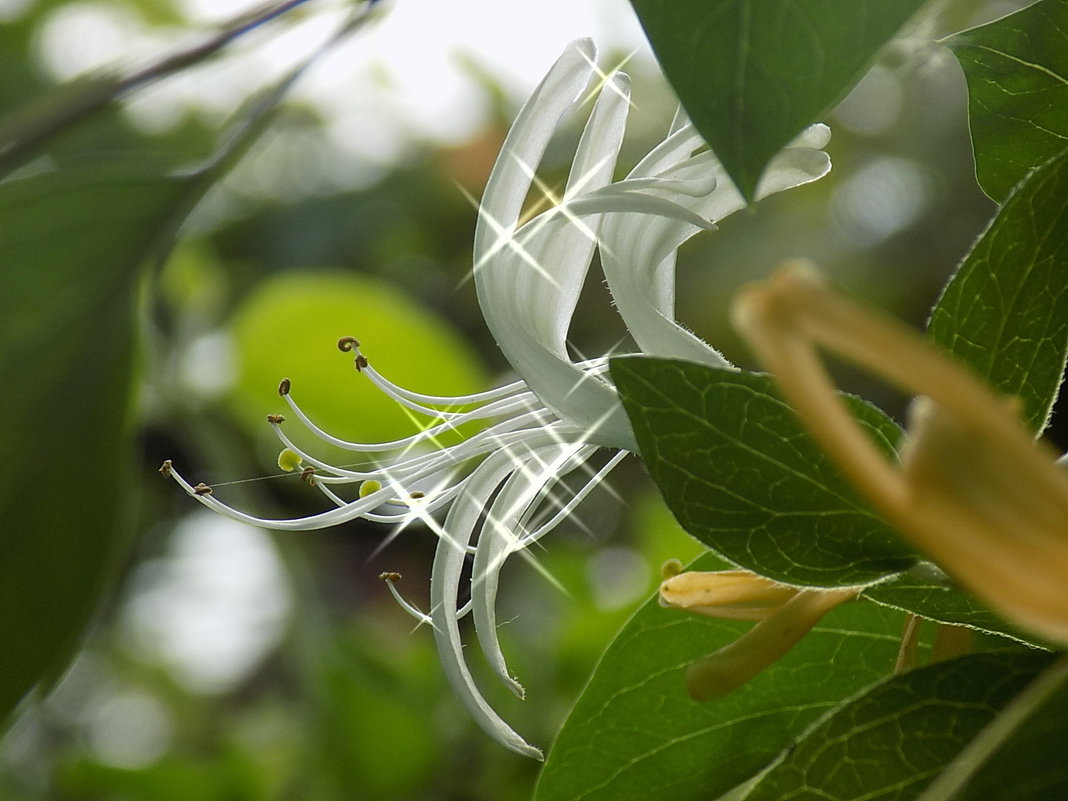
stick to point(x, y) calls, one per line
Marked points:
point(275, 418)
point(346, 344)
point(416, 495)
point(390, 576)
point(361, 362)
point(307, 475)
point(284, 386)
point(165, 468)
point(202, 489)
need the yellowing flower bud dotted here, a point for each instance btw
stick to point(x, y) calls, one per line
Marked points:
point(725, 594)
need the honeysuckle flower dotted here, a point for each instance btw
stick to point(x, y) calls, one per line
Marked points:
point(972, 488)
point(724, 671)
point(552, 420)
point(723, 594)
point(785, 615)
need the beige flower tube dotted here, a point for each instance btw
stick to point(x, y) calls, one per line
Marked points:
point(972, 489)
point(724, 671)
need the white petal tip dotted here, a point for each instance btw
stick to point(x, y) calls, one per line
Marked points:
point(816, 135)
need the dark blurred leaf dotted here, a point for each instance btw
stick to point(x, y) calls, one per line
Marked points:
point(70, 247)
point(1005, 311)
point(891, 741)
point(635, 735)
point(923, 591)
point(739, 474)
point(753, 73)
point(1017, 73)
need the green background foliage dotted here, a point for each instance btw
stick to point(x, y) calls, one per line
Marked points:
point(109, 367)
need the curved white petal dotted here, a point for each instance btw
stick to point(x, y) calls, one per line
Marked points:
point(639, 259)
point(499, 538)
point(445, 588)
point(528, 290)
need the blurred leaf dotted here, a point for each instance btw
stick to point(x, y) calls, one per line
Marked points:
point(892, 740)
point(71, 244)
point(740, 475)
point(635, 735)
point(289, 327)
point(1017, 73)
point(1020, 757)
point(926, 592)
point(1005, 311)
point(752, 74)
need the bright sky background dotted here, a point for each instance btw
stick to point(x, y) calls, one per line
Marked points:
point(410, 76)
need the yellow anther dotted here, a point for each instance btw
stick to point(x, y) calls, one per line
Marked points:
point(670, 568)
point(289, 460)
point(369, 486)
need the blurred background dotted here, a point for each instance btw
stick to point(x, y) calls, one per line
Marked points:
point(233, 663)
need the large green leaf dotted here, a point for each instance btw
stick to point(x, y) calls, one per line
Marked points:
point(753, 73)
point(1017, 73)
point(738, 472)
point(1005, 311)
point(1020, 756)
point(70, 245)
point(635, 735)
point(888, 743)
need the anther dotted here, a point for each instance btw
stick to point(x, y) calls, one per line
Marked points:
point(361, 362)
point(347, 344)
point(289, 460)
point(202, 489)
point(307, 475)
point(165, 468)
point(416, 495)
point(284, 386)
point(369, 486)
point(670, 568)
point(275, 419)
point(390, 576)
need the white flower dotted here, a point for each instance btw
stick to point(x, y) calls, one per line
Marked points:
point(560, 412)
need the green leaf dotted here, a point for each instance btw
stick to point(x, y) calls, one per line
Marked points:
point(753, 73)
point(1020, 756)
point(889, 742)
point(635, 735)
point(738, 473)
point(1005, 311)
point(1017, 73)
point(926, 591)
point(72, 242)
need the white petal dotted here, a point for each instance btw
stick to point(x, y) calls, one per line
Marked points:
point(639, 254)
point(528, 287)
point(444, 591)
